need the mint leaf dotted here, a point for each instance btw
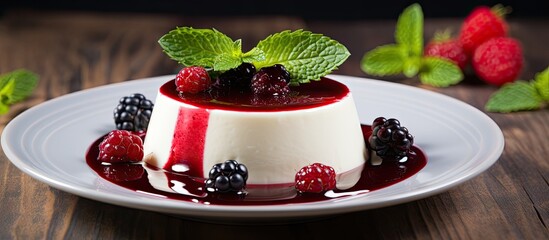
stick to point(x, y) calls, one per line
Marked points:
point(411, 66)
point(409, 30)
point(226, 61)
point(541, 83)
point(254, 55)
point(516, 96)
point(4, 108)
point(439, 72)
point(16, 86)
point(384, 60)
point(200, 47)
point(7, 91)
point(306, 55)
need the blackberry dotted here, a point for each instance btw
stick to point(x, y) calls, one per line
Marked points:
point(390, 140)
point(273, 80)
point(238, 78)
point(133, 113)
point(226, 177)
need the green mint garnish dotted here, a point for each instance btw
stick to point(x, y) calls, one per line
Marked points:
point(439, 72)
point(383, 60)
point(541, 83)
point(206, 47)
point(409, 30)
point(521, 95)
point(516, 96)
point(15, 86)
point(406, 56)
point(306, 55)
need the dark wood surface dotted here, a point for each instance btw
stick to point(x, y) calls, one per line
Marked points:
point(73, 51)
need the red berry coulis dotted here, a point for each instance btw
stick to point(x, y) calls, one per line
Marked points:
point(183, 187)
point(304, 96)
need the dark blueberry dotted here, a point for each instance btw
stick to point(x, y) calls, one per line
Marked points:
point(229, 176)
point(133, 113)
point(389, 140)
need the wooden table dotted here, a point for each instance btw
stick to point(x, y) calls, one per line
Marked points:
point(73, 51)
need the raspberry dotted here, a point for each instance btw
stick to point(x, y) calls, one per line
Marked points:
point(446, 47)
point(226, 177)
point(272, 80)
point(390, 140)
point(498, 60)
point(238, 78)
point(315, 178)
point(121, 146)
point(133, 113)
point(193, 79)
point(481, 25)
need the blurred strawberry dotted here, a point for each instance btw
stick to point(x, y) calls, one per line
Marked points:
point(498, 60)
point(482, 24)
point(443, 45)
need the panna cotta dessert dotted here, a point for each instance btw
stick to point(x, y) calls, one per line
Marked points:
point(265, 125)
point(273, 139)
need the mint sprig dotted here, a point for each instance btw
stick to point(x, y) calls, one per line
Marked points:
point(307, 56)
point(15, 86)
point(406, 56)
point(206, 47)
point(521, 95)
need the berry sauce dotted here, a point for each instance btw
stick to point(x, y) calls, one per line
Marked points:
point(141, 177)
point(304, 96)
point(188, 146)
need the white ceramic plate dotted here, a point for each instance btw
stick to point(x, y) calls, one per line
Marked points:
point(49, 142)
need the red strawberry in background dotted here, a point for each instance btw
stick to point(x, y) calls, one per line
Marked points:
point(482, 24)
point(498, 60)
point(443, 45)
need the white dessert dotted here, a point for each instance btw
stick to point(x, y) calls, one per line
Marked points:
point(273, 145)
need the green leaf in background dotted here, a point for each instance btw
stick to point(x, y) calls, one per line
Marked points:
point(541, 83)
point(409, 30)
point(4, 108)
point(200, 47)
point(383, 61)
point(412, 66)
point(439, 72)
point(306, 55)
point(406, 56)
point(15, 86)
point(516, 96)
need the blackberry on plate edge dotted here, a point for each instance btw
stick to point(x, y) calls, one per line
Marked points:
point(229, 176)
point(390, 140)
point(133, 113)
